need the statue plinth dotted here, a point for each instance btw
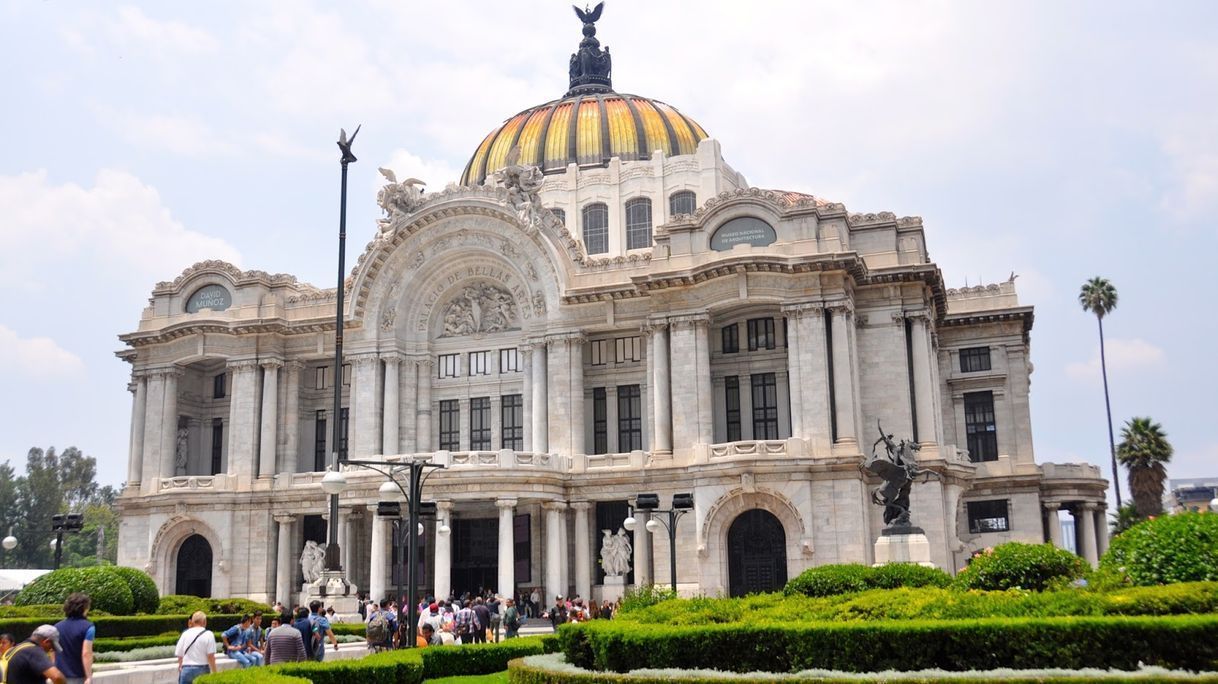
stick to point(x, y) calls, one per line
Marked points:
point(903, 545)
point(334, 591)
point(613, 588)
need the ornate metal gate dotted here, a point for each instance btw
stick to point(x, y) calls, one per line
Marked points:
point(757, 553)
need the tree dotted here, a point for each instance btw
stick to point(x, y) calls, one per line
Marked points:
point(1099, 297)
point(1143, 450)
point(8, 504)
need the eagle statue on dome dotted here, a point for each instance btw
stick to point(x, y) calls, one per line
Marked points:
point(586, 16)
point(590, 66)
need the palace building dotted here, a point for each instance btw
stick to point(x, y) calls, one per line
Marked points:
point(601, 307)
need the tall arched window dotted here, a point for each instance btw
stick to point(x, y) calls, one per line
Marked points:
point(683, 202)
point(596, 228)
point(638, 223)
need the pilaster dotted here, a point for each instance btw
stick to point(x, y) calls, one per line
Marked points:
point(268, 438)
point(243, 426)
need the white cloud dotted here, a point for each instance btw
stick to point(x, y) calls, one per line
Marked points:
point(1192, 150)
point(131, 27)
point(116, 233)
point(36, 357)
point(182, 135)
point(435, 173)
point(1121, 354)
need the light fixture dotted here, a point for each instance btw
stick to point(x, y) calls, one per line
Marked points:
point(652, 526)
point(647, 502)
point(443, 530)
point(420, 529)
point(1213, 507)
point(630, 523)
point(54, 544)
point(333, 482)
point(683, 502)
point(389, 491)
point(9, 543)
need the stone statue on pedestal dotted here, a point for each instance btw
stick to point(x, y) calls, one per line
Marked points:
point(616, 553)
point(898, 468)
point(312, 561)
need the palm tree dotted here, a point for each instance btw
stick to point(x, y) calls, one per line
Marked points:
point(1143, 450)
point(1099, 297)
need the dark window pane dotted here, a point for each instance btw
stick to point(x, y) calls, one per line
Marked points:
point(974, 359)
point(638, 223)
point(988, 516)
point(731, 394)
point(761, 333)
point(731, 338)
point(596, 228)
point(683, 202)
point(765, 406)
point(980, 426)
point(217, 386)
point(512, 419)
point(600, 422)
point(629, 418)
point(480, 424)
point(319, 441)
point(217, 444)
point(450, 425)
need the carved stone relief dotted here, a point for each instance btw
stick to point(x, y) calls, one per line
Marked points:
point(480, 308)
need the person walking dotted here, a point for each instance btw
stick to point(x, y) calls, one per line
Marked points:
point(196, 650)
point(308, 631)
point(484, 620)
point(32, 661)
point(284, 645)
point(76, 636)
point(318, 618)
point(465, 624)
point(511, 619)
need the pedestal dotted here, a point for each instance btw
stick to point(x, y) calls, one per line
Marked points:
point(613, 588)
point(903, 545)
point(334, 591)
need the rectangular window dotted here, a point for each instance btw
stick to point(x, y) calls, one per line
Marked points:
point(761, 333)
point(600, 421)
point(596, 228)
point(319, 442)
point(345, 426)
point(509, 360)
point(628, 349)
point(346, 374)
point(217, 445)
point(449, 365)
point(629, 418)
point(320, 375)
point(217, 386)
point(731, 396)
point(480, 424)
point(731, 338)
point(988, 516)
point(765, 406)
point(980, 427)
point(638, 223)
point(478, 363)
point(511, 418)
point(974, 359)
point(450, 425)
point(599, 352)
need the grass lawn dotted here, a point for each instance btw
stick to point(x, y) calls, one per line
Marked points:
point(496, 678)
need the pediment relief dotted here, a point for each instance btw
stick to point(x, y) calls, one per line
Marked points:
point(480, 308)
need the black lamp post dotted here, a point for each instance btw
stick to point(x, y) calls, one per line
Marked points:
point(61, 524)
point(681, 504)
point(333, 553)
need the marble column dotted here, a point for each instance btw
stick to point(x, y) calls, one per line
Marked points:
point(344, 548)
point(422, 430)
point(794, 365)
point(813, 375)
point(579, 426)
point(553, 567)
point(689, 389)
point(390, 441)
point(444, 556)
point(1101, 531)
point(139, 403)
point(378, 564)
point(154, 407)
point(408, 405)
point(285, 565)
point(843, 375)
point(269, 438)
point(507, 547)
point(526, 360)
point(642, 549)
point(661, 384)
point(1053, 522)
point(350, 519)
point(924, 392)
point(541, 410)
point(705, 395)
point(169, 426)
point(1084, 523)
point(289, 461)
point(366, 438)
point(583, 550)
point(565, 375)
point(564, 543)
point(242, 418)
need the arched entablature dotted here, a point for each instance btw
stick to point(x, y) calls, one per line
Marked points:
point(713, 528)
point(163, 553)
point(770, 217)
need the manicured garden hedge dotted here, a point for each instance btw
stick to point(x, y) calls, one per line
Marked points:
point(108, 589)
point(144, 596)
point(843, 578)
point(408, 666)
point(1183, 642)
point(121, 626)
point(1019, 565)
point(179, 604)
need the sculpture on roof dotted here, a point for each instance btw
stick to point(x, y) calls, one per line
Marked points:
point(522, 183)
point(398, 199)
point(591, 67)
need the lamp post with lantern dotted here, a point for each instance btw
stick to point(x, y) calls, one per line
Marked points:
point(681, 504)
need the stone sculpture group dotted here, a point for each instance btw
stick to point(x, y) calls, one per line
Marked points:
point(616, 553)
point(312, 561)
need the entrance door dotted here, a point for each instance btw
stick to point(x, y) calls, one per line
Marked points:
point(475, 555)
point(756, 553)
point(194, 567)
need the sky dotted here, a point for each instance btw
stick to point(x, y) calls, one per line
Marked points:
point(1058, 141)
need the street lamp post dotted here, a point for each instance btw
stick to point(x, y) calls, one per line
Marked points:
point(61, 524)
point(333, 553)
point(681, 504)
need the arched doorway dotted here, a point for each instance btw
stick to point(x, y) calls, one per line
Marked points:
point(756, 553)
point(194, 567)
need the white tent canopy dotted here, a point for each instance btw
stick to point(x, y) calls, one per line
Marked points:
point(14, 580)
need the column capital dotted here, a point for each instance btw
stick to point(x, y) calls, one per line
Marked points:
point(556, 506)
point(918, 316)
point(364, 359)
point(392, 357)
point(444, 505)
point(581, 505)
point(243, 365)
point(801, 309)
point(1050, 506)
point(691, 320)
point(285, 519)
point(569, 337)
point(271, 364)
point(164, 371)
point(505, 504)
point(654, 325)
point(841, 307)
point(1088, 506)
point(293, 366)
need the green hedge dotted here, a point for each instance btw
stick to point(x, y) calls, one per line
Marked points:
point(107, 588)
point(110, 645)
point(1018, 565)
point(51, 611)
point(1183, 642)
point(144, 596)
point(122, 626)
point(408, 666)
point(845, 578)
point(1170, 548)
point(257, 675)
point(524, 671)
point(179, 604)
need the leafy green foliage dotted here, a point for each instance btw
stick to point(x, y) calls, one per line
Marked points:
point(107, 589)
point(1124, 518)
point(647, 595)
point(49, 611)
point(139, 626)
point(844, 578)
point(144, 595)
point(259, 675)
point(179, 604)
point(1167, 549)
point(1023, 566)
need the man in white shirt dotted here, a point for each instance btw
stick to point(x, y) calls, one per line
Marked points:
point(196, 650)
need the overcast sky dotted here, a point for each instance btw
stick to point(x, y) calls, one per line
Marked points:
point(1056, 140)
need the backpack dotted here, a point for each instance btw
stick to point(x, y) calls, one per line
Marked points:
point(377, 631)
point(9, 656)
point(318, 640)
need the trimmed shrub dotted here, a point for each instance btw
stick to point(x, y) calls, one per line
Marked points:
point(898, 575)
point(644, 596)
point(48, 610)
point(1167, 549)
point(144, 596)
point(123, 626)
point(258, 675)
point(476, 659)
point(829, 580)
point(178, 604)
point(1023, 566)
point(107, 589)
point(1185, 642)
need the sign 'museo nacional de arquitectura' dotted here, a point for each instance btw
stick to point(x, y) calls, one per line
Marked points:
point(601, 306)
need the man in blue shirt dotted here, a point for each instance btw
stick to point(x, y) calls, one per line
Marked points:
point(76, 636)
point(322, 624)
point(237, 646)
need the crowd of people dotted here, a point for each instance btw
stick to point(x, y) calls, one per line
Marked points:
point(61, 653)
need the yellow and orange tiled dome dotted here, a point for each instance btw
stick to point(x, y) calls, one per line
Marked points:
point(587, 130)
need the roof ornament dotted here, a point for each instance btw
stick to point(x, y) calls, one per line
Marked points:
point(522, 183)
point(397, 200)
point(591, 67)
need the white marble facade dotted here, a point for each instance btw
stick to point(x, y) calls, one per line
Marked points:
point(626, 382)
